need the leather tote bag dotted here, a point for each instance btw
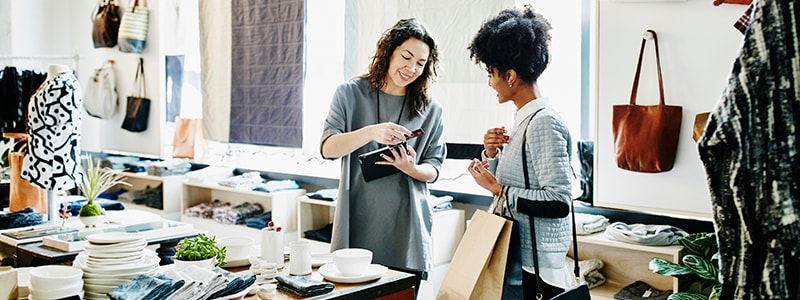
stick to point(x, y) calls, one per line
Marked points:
point(133, 28)
point(478, 265)
point(646, 137)
point(137, 113)
point(100, 97)
point(105, 20)
point(22, 194)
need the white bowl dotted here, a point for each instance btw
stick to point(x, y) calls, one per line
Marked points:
point(237, 247)
point(352, 261)
point(56, 292)
point(45, 277)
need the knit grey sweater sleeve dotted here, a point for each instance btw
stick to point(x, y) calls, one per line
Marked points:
point(548, 160)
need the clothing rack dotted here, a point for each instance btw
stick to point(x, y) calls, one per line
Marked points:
point(71, 60)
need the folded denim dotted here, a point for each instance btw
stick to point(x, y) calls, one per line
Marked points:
point(303, 286)
point(145, 287)
point(259, 221)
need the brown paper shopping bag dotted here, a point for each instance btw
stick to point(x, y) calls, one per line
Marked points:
point(479, 263)
point(188, 138)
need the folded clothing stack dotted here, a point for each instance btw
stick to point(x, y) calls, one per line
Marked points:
point(303, 286)
point(272, 186)
point(640, 290)
point(324, 194)
point(259, 221)
point(246, 181)
point(205, 210)
point(590, 271)
point(21, 218)
point(145, 286)
point(650, 235)
point(237, 214)
point(176, 166)
point(203, 283)
point(589, 223)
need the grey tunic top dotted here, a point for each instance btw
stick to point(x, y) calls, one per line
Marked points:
point(389, 215)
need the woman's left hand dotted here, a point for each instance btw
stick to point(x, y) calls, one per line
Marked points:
point(483, 177)
point(402, 160)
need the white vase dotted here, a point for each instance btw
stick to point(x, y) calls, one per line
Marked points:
point(183, 264)
point(92, 221)
point(272, 246)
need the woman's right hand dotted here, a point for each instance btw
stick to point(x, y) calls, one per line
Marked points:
point(494, 139)
point(388, 133)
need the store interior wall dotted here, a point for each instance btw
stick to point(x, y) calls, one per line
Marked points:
point(687, 23)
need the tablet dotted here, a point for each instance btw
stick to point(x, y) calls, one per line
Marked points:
point(372, 171)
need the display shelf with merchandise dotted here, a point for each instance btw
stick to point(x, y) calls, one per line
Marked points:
point(282, 204)
point(314, 214)
point(170, 195)
point(625, 263)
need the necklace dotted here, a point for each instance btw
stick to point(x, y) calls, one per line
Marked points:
point(378, 111)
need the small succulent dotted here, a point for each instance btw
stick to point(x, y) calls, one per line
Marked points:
point(200, 247)
point(94, 181)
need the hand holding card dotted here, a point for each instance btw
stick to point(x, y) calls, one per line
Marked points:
point(372, 171)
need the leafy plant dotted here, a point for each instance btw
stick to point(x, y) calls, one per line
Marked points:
point(699, 266)
point(94, 181)
point(201, 247)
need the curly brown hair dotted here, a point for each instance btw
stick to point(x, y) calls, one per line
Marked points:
point(416, 91)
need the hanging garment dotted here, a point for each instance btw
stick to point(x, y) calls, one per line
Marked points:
point(749, 150)
point(54, 130)
point(10, 95)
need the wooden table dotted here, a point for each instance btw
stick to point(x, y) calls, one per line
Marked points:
point(37, 254)
point(393, 285)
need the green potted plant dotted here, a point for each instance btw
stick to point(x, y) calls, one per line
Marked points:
point(201, 249)
point(95, 180)
point(698, 269)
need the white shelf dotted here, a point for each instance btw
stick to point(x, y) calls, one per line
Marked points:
point(282, 204)
point(171, 193)
point(313, 214)
point(625, 263)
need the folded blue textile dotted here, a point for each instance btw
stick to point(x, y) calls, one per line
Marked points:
point(276, 185)
point(75, 206)
point(259, 221)
point(303, 286)
point(146, 287)
point(237, 284)
point(324, 194)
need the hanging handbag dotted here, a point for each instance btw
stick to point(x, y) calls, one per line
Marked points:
point(105, 20)
point(646, 137)
point(133, 28)
point(100, 98)
point(137, 113)
point(188, 134)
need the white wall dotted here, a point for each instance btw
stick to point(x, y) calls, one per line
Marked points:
point(49, 27)
point(697, 44)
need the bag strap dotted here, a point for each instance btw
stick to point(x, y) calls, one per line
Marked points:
point(138, 81)
point(648, 34)
point(576, 268)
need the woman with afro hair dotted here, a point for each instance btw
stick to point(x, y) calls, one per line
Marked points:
point(514, 49)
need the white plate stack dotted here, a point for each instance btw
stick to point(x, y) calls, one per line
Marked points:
point(111, 259)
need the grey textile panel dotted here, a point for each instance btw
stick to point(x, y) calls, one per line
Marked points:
point(267, 72)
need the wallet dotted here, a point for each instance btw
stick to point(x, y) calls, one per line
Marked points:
point(370, 170)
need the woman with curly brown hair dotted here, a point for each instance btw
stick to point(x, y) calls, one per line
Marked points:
point(514, 48)
point(389, 215)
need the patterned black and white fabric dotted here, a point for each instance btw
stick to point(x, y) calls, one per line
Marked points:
point(750, 152)
point(54, 131)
